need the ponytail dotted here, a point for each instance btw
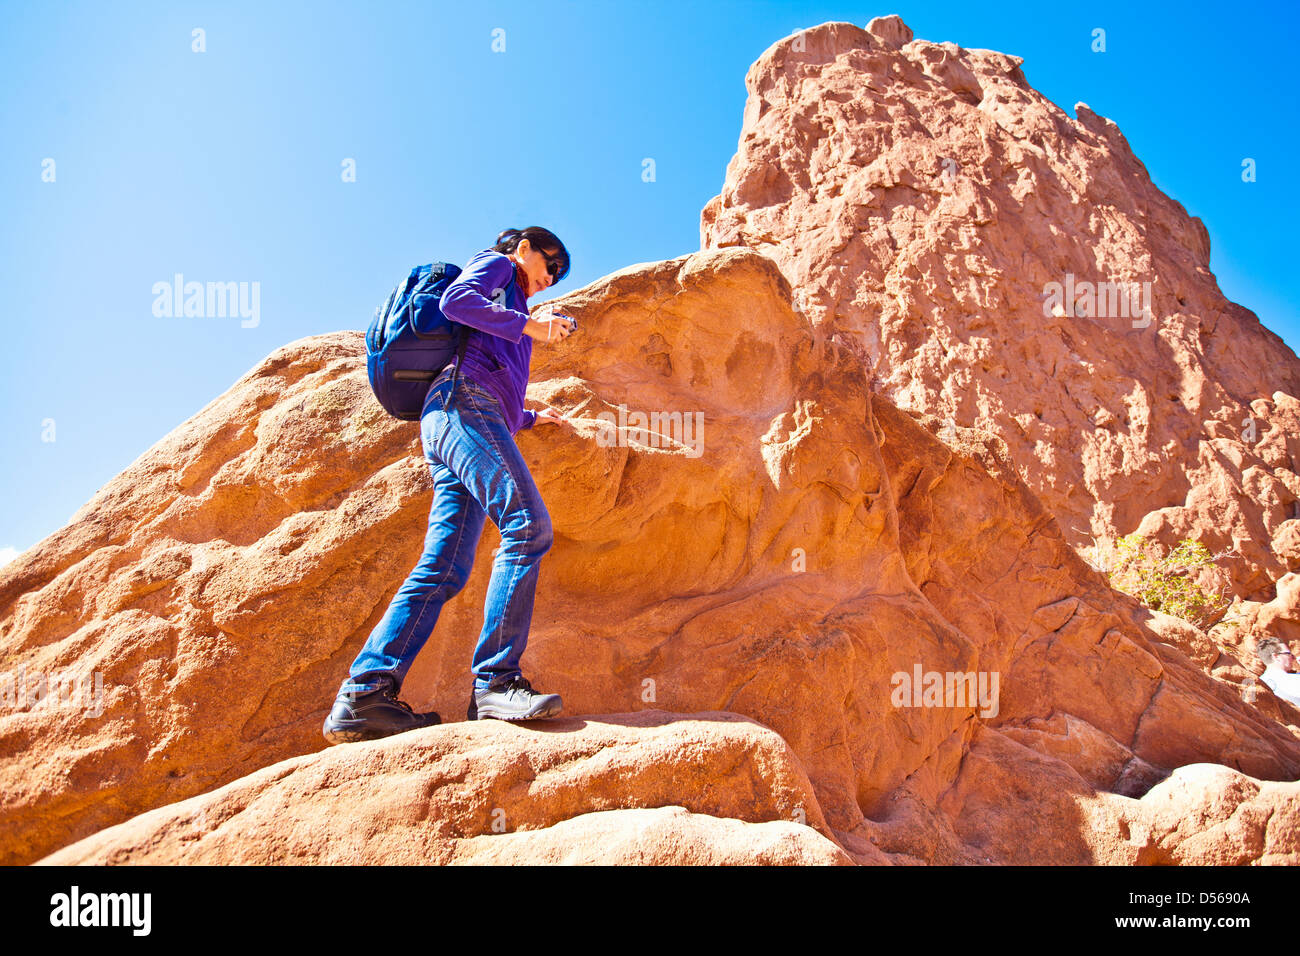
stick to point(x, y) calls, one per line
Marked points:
point(539, 238)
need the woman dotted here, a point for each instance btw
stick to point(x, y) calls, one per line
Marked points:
point(478, 473)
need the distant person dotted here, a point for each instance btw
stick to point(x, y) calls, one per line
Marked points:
point(478, 473)
point(1280, 672)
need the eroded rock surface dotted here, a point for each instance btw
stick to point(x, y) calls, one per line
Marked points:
point(923, 198)
point(776, 539)
point(647, 788)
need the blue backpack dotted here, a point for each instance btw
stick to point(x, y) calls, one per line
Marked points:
point(410, 341)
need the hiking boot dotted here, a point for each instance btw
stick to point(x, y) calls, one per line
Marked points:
point(512, 698)
point(372, 715)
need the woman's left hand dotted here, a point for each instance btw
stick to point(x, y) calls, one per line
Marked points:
point(549, 415)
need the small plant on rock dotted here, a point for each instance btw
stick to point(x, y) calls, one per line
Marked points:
point(1170, 584)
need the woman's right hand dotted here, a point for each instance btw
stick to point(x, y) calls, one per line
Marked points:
point(552, 329)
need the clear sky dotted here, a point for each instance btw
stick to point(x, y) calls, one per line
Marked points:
point(227, 166)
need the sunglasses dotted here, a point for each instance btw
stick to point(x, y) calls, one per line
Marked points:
point(554, 265)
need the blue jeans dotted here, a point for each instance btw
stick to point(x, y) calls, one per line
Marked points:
point(478, 472)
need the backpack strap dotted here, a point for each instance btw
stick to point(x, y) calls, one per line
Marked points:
point(460, 360)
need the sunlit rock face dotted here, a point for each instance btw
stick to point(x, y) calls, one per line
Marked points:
point(815, 594)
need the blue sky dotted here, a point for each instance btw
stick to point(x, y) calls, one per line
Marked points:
point(226, 165)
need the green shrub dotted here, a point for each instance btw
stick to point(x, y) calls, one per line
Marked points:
point(1167, 584)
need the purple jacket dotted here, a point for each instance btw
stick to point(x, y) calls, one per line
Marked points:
point(487, 298)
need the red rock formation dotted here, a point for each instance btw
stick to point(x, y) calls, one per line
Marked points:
point(723, 790)
point(797, 565)
point(923, 198)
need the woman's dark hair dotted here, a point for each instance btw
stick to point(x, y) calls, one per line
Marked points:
point(539, 238)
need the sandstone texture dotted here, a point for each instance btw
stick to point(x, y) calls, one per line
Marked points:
point(643, 788)
point(922, 197)
point(729, 611)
